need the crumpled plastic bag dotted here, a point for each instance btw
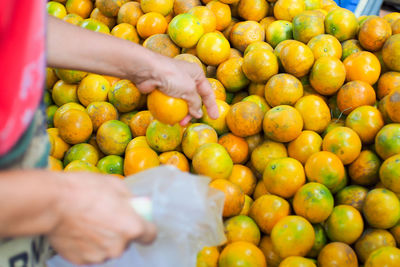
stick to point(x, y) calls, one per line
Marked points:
point(187, 213)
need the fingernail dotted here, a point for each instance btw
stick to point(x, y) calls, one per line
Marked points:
point(200, 113)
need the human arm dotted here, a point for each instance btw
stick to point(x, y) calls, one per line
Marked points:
point(72, 47)
point(87, 217)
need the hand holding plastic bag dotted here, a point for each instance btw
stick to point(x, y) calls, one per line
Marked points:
point(186, 211)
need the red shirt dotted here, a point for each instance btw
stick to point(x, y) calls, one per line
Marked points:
point(22, 66)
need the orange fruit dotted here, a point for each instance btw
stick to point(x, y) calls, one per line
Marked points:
point(307, 25)
point(79, 7)
point(206, 17)
point(80, 166)
point(58, 146)
point(139, 123)
point(355, 94)
point(100, 112)
point(283, 177)
point(396, 27)
point(218, 88)
point(234, 196)
point(124, 95)
point(267, 210)
point(259, 100)
point(344, 143)
point(258, 45)
point(244, 178)
point(129, 13)
point(241, 254)
point(352, 195)
point(283, 89)
point(326, 168)
point(395, 232)
point(325, 45)
point(245, 33)
point(166, 109)
point(227, 31)
point(371, 240)
point(282, 123)
point(248, 201)
point(70, 76)
point(151, 23)
point(139, 159)
point(110, 8)
point(97, 15)
point(244, 119)
point(112, 137)
point(231, 75)
point(306, 144)
point(387, 142)
point(254, 10)
point(183, 6)
point(366, 121)
point(314, 202)
point(365, 169)
point(196, 135)
point(75, 126)
point(185, 30)
point(293, 236)
point(222, 12)
point(266, 151)
point(266, 22)
point(389, 173)
point(327, 75)
point(139, 141)
point(111, 164)
point(51, 78)
point(162, 44)
point(362, 66)
point(95, 25)
point(54, 164)
point(260, 190)
point(242, 228)
point(270, 253)
point(393, 105)
point(56, 9)
point(384, 256)
point(392, 17)
point(213, 161)
point(63, 93)
point(93, 88)
point(319, 243)
point(288, 9)
point(253, 141)
point(278, 31)
point(350, 47)
point(293, 53)
point(83, 152)
point(176, 159)
point(373, 33)
point(345, 224)
point(163, 137)
point(337, 254)
point(381, 208)
point(315, 113)
point(342, 24)
point(388, 82)
point(74, 18)
point(260, 65)
point(220, 124)
point(63, 108)
point(237, 147)
point(295, 261)
point(208, 257)
point(382, 107)
point(163, 7)
point(127, 117)
point(213, 48)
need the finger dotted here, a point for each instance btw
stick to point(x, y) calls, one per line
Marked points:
point(149, 234)
point(185, 120)
point(194, 101)
point(207, 94)
point(147, 86)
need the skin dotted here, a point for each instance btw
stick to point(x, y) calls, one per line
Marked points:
point(61, 205)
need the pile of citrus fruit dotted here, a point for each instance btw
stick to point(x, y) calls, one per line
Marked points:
point(307, 145)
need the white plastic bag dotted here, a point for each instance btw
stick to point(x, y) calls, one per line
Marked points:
point(187, 213)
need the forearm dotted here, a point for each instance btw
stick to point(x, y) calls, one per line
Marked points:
point(28, 202)
point(72, 47)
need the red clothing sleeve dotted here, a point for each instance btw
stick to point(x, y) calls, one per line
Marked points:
point(22, 66)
